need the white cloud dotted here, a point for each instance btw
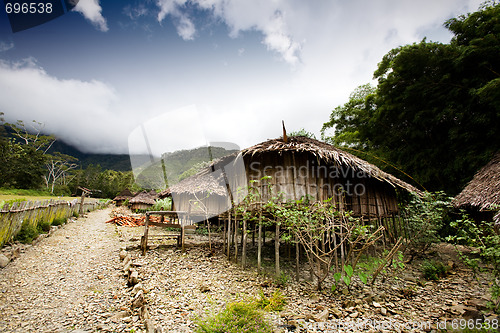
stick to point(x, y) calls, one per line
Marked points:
point(266, 17)
point(92, 11)
point(6, 46)
point(184, 25)
point(79, 112)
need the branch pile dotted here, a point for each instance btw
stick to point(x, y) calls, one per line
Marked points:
point(128, 221)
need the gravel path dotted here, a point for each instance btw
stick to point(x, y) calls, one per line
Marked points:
point(74, 281)
point(67, 282)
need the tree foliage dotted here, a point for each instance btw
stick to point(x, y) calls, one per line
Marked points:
point(435, 112)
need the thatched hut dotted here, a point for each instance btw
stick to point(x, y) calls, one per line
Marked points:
point(124, 195)
point(481, 197)
point(142, 201)
point(297, 167)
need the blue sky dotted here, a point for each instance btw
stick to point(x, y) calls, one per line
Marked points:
point(93, 75)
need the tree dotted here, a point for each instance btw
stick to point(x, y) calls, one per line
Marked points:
point(435, 112)
point(58, 170)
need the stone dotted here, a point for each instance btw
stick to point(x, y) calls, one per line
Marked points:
point(137, 287)
point(133, 278)
point(383, 311)
point(138, 301)
point(322, 316)
point(4, 261)
point(123, 254)
point(336, 312)
point(150, 327)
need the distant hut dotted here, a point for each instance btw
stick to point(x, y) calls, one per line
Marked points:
point(123, 196)
point(481, 197)
point(141, 201)
point(298, 167)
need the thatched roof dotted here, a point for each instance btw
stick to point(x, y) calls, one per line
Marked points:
point(496, 218)
point(483, 191)
point(142, 198)
point(203, 182)
point(124, 195)
point(329, 154)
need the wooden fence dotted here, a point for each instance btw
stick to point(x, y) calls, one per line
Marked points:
point(34, 212)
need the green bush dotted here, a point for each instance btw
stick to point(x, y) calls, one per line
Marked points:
point(434, 270)
point(44, 227)
point(274, 303)
point(236, 317)
point(59, 221)
point(27, 233)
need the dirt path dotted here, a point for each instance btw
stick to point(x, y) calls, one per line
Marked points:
point(67, 282)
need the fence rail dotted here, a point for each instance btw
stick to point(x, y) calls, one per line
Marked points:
point(31, 213)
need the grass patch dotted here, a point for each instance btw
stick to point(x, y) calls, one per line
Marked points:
point(243, 316)
point(44, 227)
point(236, 317)
point(27, 234)
point(434, 270)
point(59, 221)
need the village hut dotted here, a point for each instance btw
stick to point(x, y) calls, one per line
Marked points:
point(297, 167)
point(123, 196)
point(142, 201)
point(481, 197)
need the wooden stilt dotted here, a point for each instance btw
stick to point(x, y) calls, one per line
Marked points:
point(297, 259)
point(229, 237)
point(259, 245)
point(235, 237)
point(277, 249)
point(244, 245)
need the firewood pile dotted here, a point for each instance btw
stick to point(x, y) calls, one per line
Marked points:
point(132, 220)
point(128, 221)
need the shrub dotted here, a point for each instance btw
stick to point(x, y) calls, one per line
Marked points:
point(274, 303)
point(59, 221)
point(44, 227)
point(27, 233)
point(426, 216)
point(433, 270)
point(236, 317)
point(486, 242)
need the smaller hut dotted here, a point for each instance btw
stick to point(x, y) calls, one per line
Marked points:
point(481, 197)
point(141, 201)
point(123, 196)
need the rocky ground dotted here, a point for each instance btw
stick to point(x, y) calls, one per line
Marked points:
point(89, 276)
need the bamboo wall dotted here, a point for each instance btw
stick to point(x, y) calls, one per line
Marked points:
point(32, 213)
point(297, 175)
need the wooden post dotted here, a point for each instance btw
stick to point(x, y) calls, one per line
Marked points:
point(224, 235)
point(235, 238)
point(144, 239)
point(183, 234)
point(277, 249)
point(259, 244)
point(297, 259)
point(229, 237)
point(244, 245)
point(81, 204)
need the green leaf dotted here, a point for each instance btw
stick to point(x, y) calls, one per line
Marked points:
point(348, 269)
point(363, 277)
point(337, 276)
point(347, 280)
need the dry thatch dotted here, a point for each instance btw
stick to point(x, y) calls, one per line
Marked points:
point(483, 191)
point(124, 195)
point(496, 218)
point(204, 182)
point(142, 198)
point(329, 154)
